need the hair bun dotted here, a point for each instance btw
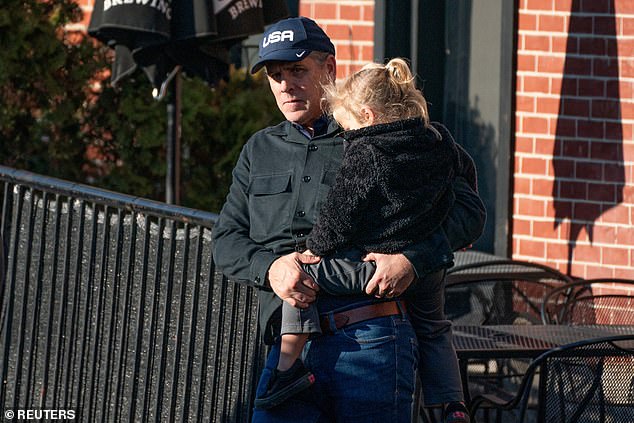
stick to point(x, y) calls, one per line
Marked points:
point(393, 70)
point(399, 70)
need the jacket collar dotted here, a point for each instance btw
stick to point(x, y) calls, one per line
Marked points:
point(291, 133)
point(406, 125)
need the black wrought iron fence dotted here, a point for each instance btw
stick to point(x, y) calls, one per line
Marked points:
point(111, 307)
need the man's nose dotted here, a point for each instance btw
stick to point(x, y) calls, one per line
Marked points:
point(286, 84)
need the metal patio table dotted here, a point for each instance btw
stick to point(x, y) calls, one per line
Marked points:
point(520, 341)
point(472, 265)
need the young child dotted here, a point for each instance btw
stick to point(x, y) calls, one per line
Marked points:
point(394, 189)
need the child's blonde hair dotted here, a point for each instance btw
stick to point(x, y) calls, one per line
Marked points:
point(389, 90)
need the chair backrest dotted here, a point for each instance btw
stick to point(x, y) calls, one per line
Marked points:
point(586, 381)
point(499, 292)
point(592, 301)
point(592, 381)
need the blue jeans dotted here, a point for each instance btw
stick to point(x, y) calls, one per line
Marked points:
point(364, 373)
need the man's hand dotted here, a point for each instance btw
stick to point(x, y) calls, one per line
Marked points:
point(394, 273)
point(289, 281)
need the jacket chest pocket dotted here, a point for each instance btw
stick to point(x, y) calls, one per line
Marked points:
point(269, 204)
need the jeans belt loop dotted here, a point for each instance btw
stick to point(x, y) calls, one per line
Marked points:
point(330, 318)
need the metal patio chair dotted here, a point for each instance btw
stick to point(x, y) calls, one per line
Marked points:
point(587, 381)
point(498, 292)
point(591, 301)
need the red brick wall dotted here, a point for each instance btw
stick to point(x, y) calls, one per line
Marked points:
point(350, 25)
point(573, 203)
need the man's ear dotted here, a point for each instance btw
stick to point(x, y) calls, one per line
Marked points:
point(331, 67)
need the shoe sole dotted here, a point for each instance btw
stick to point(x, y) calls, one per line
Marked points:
point(281, 396)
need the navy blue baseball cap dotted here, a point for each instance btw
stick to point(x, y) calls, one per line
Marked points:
point(292, 40)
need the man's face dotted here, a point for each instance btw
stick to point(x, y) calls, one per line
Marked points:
point(297, 87)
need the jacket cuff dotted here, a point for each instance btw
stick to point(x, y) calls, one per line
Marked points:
point(431, 254)
point(260, 264)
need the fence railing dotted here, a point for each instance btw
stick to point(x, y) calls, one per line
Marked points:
point(111, 306)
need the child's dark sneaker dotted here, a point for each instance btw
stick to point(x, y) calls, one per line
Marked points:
point(456, 412)
point(284, 384)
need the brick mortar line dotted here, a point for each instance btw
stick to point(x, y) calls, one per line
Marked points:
point(546, 200)
point(536, 196)
point(541, 219)
point(527, 175)
point(551, 33)
point(526, 132)
point(568, 14)
point(573, 201)
point(600, 247)
point(542, 135)
point(523, 113)
point(572, 55)
point(348, 62)
point(549, 96)
point(582, 76)
point(549, 134)
point(366, 43)
point(561, 241)
point(584, 243)
point(584, 222)
point(551, 179)
point(600, 262)
point(581, 159)
point(576, 220)
point(564, 55)
point(355, 61)
point(544, 197)
point(546, 178)
point(339, 22)
point(565, 261)
point(584, 118)
point(538, 177)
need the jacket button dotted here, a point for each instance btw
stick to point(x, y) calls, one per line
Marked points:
point(301, 213)
point(306, 178)
point(312, 148)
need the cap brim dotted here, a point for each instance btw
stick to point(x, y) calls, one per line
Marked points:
point(286, 55)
